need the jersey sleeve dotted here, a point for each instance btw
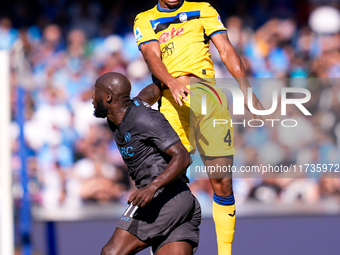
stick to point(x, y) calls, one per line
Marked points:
point(143, 30)
point(155, 128)
point(211, 21)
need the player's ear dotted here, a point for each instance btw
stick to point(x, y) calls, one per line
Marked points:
point(109, 98)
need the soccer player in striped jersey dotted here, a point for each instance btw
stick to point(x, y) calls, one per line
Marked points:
point(174, 39)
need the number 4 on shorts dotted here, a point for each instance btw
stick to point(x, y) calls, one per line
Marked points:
point(227, 138)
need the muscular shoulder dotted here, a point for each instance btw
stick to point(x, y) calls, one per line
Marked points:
point(147, 117)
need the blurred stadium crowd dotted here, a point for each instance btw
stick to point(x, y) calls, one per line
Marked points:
point(59, 48)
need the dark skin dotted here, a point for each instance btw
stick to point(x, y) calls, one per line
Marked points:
point(180, 160)
point(222, 185)
point(152, 56)
point(169, 4)
point(124, 243)
point(111, 100)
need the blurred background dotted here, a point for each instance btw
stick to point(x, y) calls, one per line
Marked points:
point(66, 167)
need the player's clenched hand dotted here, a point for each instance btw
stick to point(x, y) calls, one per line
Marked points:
point(178, 91)
point(142, 196)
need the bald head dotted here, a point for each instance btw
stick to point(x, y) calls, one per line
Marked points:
point(115, 83)
point(112, 95)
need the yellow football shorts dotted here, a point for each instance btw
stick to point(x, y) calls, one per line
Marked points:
point(206, 126)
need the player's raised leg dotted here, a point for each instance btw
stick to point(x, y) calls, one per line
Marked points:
point(223, 204)
point(123, 242)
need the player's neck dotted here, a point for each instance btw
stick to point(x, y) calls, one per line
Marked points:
point(116, 114)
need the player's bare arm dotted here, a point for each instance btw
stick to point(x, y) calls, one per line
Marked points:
point(234, 64)
point(150, 94)
point(152, 56)
point(180, 160)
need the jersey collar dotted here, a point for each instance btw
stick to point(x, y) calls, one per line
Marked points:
point(125, 115)
point(159, 8)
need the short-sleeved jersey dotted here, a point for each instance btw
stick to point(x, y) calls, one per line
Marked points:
point(142, 137)
point(183, 35)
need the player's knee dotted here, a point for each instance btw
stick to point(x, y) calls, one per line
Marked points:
point(111, 250)
point(183, 253)
point(181, 248)
point(227, 182)
point(223, 187)
point(105, 251)
point(184, 250)
point(227, 186)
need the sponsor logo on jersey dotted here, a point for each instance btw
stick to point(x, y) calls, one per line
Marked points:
point(138, 34)
point(155, 26)
point(166, 36)
point(126, 152)
point(183, 17)
point(127, 136)
point(168, 50)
